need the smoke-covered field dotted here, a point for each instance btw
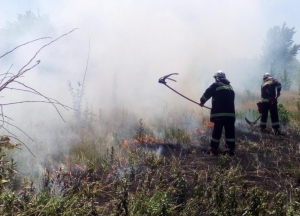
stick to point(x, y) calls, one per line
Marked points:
point(87, 129)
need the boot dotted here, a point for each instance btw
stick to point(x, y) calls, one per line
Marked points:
point(265, 131)
point(213, 151)
point(277, 132)
point(229, 152)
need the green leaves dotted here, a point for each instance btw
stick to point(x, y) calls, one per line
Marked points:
point(3, 181)
point(279, 51)
point(5, 143)
point(283, 114)
point(286, 82)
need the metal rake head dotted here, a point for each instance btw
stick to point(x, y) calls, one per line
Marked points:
point(163, 79)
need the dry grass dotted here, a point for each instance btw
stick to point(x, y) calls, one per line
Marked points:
point(161, 169)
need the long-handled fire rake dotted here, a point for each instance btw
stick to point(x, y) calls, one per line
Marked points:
point(259, 106)
point(162, 80)
point(252, 123)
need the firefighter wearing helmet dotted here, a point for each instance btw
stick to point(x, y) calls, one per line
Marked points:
point(222, 112)
point(270, 91)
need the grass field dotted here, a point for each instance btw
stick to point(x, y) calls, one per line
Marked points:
point(128, 165)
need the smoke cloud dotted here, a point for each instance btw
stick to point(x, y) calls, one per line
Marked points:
point(131, 44)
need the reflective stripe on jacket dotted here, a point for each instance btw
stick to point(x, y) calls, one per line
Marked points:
point(270, 89)
point(222, 95)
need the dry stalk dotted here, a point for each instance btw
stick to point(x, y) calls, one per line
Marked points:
point(9, 78)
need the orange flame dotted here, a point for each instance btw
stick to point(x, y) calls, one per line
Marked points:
point(201, 131)
point(208, 124)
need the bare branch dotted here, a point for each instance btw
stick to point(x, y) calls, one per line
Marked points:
point(19, 130)
point(6, 117)
point(32, 102)
point(2, 116)
point(8, 131)
point(38, 93)
point(23, 45)
point(15, 137)
point(16, 76)
point(6, 74)
point(22, 72)
point(10, 77)
point(86, 67)
point(35, 92)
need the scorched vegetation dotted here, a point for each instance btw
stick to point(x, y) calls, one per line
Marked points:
point(127, 165)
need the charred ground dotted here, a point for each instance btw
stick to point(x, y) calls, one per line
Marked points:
point(166, 173)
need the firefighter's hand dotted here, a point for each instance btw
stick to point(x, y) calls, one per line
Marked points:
point(278, 94)
point(201, 104)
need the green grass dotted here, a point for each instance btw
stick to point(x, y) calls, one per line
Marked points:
point(117, 169)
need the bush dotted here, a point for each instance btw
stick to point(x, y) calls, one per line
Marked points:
point(177, 135)
point(283, 114)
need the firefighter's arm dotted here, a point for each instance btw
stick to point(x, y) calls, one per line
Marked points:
point(278, 88)
point(207, 94)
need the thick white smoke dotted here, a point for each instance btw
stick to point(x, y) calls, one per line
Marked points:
point(132, 44)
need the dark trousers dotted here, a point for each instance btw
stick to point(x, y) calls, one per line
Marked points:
point(228, 125)
point(272, 107)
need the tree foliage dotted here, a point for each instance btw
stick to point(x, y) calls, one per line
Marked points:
point(26, 27)
point(286, 82)
point(29, 22)
point(279, 48)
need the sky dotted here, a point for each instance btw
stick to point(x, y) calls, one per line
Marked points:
point(133, 43)
point(130, 44)
point(252, 17)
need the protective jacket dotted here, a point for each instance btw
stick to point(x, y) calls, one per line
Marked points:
point(269, 89)
point(222, 99)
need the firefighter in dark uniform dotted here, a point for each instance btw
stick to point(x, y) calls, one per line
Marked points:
point(222, 112)
point(270, 91)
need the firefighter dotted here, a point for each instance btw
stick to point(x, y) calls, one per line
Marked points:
point(222, 112)
point(270, 91)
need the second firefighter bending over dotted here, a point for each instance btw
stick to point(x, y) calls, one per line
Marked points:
point(270, 91)
point(222, 112)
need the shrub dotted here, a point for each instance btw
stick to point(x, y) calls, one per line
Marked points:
point(283, 114)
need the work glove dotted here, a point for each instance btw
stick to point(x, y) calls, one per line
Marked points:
point(259, 107)
point(201, 104)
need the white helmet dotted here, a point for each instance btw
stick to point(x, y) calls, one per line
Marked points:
point(220, 74)
point(266, 76)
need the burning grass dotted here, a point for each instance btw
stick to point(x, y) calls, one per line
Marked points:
point(165, 172)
